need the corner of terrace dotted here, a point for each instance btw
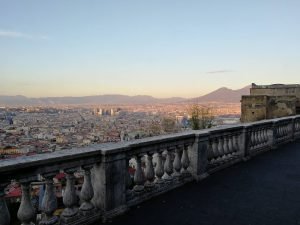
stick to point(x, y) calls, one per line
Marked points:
point(160, 164)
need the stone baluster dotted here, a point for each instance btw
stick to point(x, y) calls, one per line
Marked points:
point(298, 126)
point(234, 144)
point(221, 148)
point(177, 163)
point(252, 139)
point(26, 212)
point(261, 134)
point(260, 139)
point(256, 139)
point(185, 162)
point(49, 201)
point(4, 213)
point(149, 172)
point(276, 135)
point(70, 213)
point(87, 192)
point(129, 182)
point(290, 131)
point(225, 146)
point(159, 170)
point(230, 145)
point(138, 176)
point(210, 154)
point(279, 131)
point(168, 167)
point(265, 135)
point(215, 150)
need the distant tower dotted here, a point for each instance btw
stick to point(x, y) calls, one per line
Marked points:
point(10, 120)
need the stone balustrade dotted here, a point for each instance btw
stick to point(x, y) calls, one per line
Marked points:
point(117, 176)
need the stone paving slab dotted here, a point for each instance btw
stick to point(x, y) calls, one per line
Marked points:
point(262, 191)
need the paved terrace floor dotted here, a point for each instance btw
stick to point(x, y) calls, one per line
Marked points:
point(262, 191)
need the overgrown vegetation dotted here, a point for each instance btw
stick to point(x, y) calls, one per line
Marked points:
point(200, 117)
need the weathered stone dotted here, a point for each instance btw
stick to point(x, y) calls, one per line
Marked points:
point(4, 213)
point(26, 212)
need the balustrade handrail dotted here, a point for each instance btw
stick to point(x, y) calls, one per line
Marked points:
point(179, 158)
point(96, 150)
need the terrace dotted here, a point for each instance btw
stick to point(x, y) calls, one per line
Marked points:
point(174, 180)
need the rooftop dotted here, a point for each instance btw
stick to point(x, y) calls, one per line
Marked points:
point(270, 86)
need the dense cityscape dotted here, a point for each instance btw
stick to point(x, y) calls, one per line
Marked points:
point(35, 130)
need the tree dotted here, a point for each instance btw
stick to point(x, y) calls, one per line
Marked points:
point(169, 124)
point(201, 117)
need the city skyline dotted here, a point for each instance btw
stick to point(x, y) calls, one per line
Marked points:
point(157, 48)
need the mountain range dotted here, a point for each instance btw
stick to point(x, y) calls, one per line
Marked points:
point(222, 95)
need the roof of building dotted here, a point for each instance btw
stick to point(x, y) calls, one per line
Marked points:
point(273, 86)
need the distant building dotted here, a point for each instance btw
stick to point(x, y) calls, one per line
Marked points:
point(270, 101)
point(106, 111)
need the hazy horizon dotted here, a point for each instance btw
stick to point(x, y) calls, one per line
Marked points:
point(125, 94)
point(157, 48)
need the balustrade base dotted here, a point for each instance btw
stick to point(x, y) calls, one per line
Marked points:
point(88, 212)
point(86, 207)
point(201, 177)
point(49, 221)
point(69, 220)
point(214, 169)
point(115, 212)
point(246, 158)
point(254, 152)
point(138, 188)
point(159, 189)
point(30, 223)
point(159, 181)
point(167, 178)
point(87, 219)
point(149, 186)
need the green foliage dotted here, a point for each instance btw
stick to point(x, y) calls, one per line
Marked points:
point(169, 124)
point(201, 118)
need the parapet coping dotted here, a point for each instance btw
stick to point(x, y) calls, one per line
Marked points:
point(99, 150)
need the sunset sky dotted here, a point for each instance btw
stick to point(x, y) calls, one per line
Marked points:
point(161, 48)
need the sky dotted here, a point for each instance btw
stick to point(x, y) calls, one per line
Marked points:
point(161, 48)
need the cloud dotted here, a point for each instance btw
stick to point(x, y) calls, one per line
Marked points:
point(220, 71)
point(15, 34)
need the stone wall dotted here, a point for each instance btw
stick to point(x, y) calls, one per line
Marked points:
point(276, 90)
point(260, 107)
point(254, 108)
point(270, 101)
point(280, 106)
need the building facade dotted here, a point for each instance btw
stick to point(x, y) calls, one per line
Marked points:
point(270, 101)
